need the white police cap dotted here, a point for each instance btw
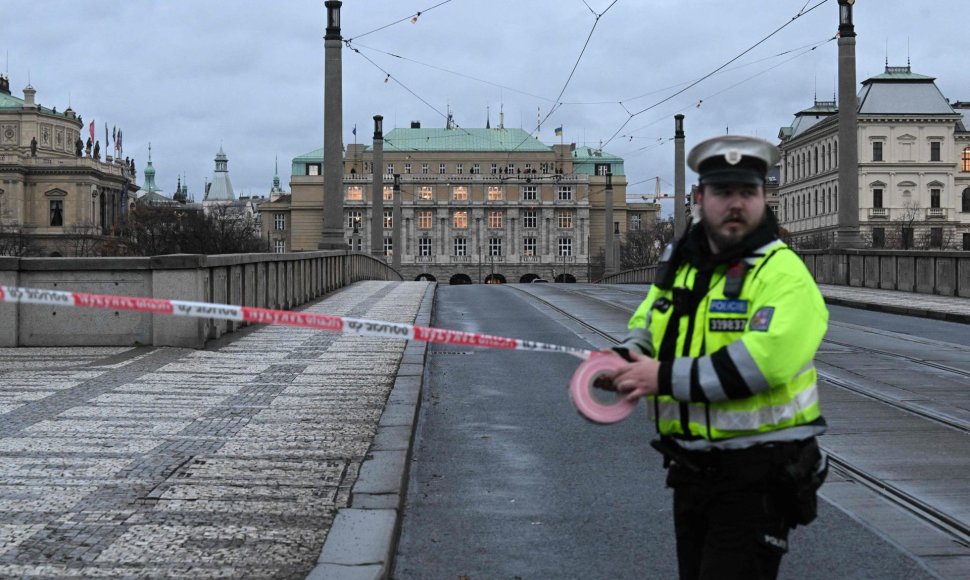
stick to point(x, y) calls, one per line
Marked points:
point(733, 159)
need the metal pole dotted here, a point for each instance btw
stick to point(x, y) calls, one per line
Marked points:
point(848, 194)
point(608, 218)
point(680, 187)
point(377, 198)
point(333, 172)
point(396, 245)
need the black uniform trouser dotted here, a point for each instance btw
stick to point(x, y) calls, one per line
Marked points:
point(729, 513)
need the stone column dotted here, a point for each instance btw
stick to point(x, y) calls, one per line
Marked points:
point(848, 231)
point(680, 182)
point(333, 162)
point(608, 218)
point(377, 203)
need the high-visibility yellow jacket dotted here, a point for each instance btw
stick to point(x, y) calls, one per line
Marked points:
point(736, 372)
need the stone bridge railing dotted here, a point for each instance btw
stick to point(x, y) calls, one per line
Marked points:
point(282, 281)
point(927, 272)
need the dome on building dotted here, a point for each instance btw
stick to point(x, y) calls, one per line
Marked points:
point(220, 189)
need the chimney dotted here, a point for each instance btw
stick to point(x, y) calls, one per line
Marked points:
point(29, 93)
point(415, 124)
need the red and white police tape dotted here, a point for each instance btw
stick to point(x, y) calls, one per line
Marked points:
point(580, 387)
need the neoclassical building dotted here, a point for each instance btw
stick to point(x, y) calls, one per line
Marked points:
point(914, 167)
point(478, 205)
point(54, 194)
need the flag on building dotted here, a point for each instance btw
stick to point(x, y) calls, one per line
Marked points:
point(355, 130)
point(559, 131)
point(91, 130)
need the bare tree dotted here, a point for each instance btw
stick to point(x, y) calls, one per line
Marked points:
point(901, 234)
point(643, 247)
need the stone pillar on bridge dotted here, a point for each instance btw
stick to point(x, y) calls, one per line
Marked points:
point(397, 244)
point(848, 194)
point(180, 277)
point(377, 203)
point(333, 156)
point(680, 181)
point(9, 312)
point(608, 218)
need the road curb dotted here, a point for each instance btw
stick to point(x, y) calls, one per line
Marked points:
point(903, 310)
point(363, 538)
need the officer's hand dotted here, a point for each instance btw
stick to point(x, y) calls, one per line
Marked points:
point(639, 378)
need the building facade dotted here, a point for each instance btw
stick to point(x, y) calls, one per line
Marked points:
point(914, 167)
point(478, 205)
point(57, 196)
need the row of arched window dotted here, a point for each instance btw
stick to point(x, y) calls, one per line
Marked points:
point(810, 203)
point(822, 157)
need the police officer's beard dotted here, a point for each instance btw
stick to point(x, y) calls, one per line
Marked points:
point(723, 243)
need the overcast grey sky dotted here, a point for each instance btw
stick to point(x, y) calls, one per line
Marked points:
point(191, 75)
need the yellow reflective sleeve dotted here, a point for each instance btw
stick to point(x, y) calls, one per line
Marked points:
point(788, 319)
point(639, 319)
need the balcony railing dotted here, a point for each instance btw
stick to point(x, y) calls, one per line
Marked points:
point(878, 212)
point(936, 213)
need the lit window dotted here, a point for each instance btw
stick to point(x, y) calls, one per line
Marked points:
point(279, 221)
point(459, 220)
point(424, 246)
point(388, 219)
point(57, 212)
point(565, 247)
point(425, 192)
point(494, 219)
point(388, 193)
point(425, 219)
point(965, 159)
point(528, 246)
point(530, 192)
point(353, 219)
point(355, 193)
point(461, 246)
point(494, 193)
point(495, 246)
point(530, 219)
point(564, 193)
point(459, 193)
point(565, 219)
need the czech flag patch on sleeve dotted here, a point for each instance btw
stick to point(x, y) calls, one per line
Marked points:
point(761, 319)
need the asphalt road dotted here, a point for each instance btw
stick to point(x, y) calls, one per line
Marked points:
point(507, 481)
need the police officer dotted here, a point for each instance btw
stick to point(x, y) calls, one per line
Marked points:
point(723, 346)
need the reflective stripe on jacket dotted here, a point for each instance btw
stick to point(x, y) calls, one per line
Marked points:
point(736, 367)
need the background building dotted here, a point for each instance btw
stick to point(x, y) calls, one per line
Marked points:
point(478, 205)
point(56, 196)
point(914, 167)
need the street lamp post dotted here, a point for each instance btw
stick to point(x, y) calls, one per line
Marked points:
point(847, 198)
point(332, 237)
point(610, 257)
point(377, 203)
point(680, 214)
point(396, 245)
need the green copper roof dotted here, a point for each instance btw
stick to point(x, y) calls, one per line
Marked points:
point(899, 73)
point(12, 102)
point(462, 140)
point(585, 160)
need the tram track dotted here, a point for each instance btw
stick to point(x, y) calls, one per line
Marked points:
point(952, 527)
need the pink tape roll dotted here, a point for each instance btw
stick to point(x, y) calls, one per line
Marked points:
point(581, 389)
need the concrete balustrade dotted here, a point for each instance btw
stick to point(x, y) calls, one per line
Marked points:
point(277, 281)
point(926, 272)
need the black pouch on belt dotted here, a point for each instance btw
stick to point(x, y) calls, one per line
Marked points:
point(801, 476)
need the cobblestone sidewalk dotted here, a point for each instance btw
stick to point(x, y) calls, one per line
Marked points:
point(162, 462)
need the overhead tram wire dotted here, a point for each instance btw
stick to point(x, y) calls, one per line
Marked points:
point(739, 83)
point(456, 73)
point(556, 103)
point(803, 12)
point(408, 17)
